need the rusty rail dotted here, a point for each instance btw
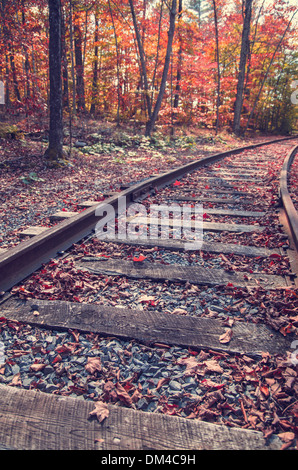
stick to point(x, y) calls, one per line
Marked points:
point(290, 210)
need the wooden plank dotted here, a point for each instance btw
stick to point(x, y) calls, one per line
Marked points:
point(207, 226)
point(62, 215)
point(32, 420)
point(149, 327)
point(179, 245)
point(184, 192)
point(223, 179)
point(235, 202)
point(234, 213)
point(244, 173)
point(193, 274)
point(86, 204)
point(32, 231)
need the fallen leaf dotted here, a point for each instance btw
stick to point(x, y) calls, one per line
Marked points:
point(179, 311)
point(139, 259)
point(93, 365)
point(227, 336)
point(213, 366)
point(146, 298)
point(123, 395)
point(16, 380)
point(286, 436)
point(101, 411)
point(37, 367)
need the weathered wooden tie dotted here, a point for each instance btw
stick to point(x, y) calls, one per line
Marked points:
point(174, 273)
point(34, 420)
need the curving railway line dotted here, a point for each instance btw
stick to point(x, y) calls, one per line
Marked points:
point(169, 325)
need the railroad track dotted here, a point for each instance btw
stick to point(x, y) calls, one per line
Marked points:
point(177, 332)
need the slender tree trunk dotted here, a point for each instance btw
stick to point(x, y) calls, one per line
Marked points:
point(79, 66)
point(179, 66)
point(242, 66)
point(150, 124)
point(54, 151)
point(72, 59)
point(118, 63)
point(95, 68)
point(218, 67)
point(14, 76)
point(157, 51)
point(65, 95)
point(142, 58)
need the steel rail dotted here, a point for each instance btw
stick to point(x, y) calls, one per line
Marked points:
point(19, 262)
point(289, 208)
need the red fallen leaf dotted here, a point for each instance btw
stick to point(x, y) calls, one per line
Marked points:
point(58, 358)
point(229, 284)
point(101, 411)
point(205, 216)
point(207, 187)
point(177, 183)
point(286, 330)
point(63, 349)
point(265, 390)
point(275, 255)
point(139, 259)
point(210, 384)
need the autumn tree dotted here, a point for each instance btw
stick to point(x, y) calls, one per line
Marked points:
point(242, 65)
point(151, 122)
point(54, 152)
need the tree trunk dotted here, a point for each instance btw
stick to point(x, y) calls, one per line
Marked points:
point(179, 66)
point(95, 68)
point(242, 66)
point(142, 58)
point(118, 63)
point(72, 59)
point(150, 124)
point(54, 151)
point(218, 68)
point(79, 67)
point(65, 95)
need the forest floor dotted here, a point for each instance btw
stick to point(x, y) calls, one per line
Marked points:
point(101, 159)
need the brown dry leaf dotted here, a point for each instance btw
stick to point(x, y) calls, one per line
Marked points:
point(161, 382)
point(146, 298)
point(286, 436)
point(93, 365)
point(16, 380)
point(191, 364)
point(123, 395)
point(179, 311)
point(37, 367)
point(213, 366)
point(101, 411)
point(227, 336)
point(136, 396)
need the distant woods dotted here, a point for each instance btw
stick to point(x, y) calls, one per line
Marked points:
point(208, 63)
